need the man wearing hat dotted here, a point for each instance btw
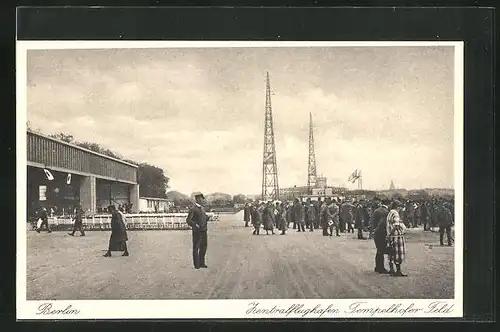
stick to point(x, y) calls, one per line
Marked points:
point(424, 214)
point(197, 219)
point(257, 218)
point(346, 211)
point(445, 220)
point(298, 215)
point(246, 213)
point(311, 215)
point(359, 219)
point(79, 214)
point(325, 216)
point(333, 210)
point(378, 229)
point(282, 219)
point(268, 217)
point(43, 215)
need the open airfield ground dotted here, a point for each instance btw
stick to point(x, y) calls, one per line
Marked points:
point(240, 266)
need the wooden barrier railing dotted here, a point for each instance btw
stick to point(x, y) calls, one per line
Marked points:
point(165, 221)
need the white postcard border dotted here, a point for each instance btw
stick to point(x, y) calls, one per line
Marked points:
point(223, 309)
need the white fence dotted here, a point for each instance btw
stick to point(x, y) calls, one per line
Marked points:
point(165, 221)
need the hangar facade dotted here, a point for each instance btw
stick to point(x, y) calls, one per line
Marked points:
point(76, 176)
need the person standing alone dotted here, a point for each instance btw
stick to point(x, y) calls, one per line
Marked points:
point(246, 214)
point(445, 221)
point(118, 239)
point(197, 219)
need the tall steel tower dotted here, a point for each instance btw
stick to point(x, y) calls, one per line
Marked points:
point(311, 169)
point(270, 188)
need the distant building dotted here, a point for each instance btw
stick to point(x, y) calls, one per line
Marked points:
point(325, 191)
point(392, 193)
point(153, 204)
point(440, 191)
point(361, 194)
point(321, 182)
point(392, 187)
point(288, 194)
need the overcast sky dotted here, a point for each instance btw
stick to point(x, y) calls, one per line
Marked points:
point(199, 113)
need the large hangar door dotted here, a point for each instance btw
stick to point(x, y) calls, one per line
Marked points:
point(111, 193)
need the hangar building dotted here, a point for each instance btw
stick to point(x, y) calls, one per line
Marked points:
point(76, 176)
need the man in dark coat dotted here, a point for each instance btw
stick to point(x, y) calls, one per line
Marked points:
point(78, 221)
point(379, 229)
point(118, 239)
point(325, 216)
point(246, 214)
point(283, 219)
point(306, 217)
point(317, 207)
point(311, 215)
point(197, 219)
point(346, 211)
point(445, 219)
point(424, 215)
point(289, 215)
point(298, 215)
point(44, 216)
point(277, 215)
point(333, 216)
point(294, 221)
point(410, 214)
point(257, 218)
point(434, 209)
point(368, 210)
point(360, 216)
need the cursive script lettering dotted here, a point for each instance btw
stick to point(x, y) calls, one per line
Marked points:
point(399, 309)
point(47, 309)
point(294, 309)
point(439, 307)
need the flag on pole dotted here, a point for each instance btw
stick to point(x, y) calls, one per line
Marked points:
point(68, 179)
point(356, 174)
point(49, 175)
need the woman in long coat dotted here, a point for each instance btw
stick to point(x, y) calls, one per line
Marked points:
point(246, 214)
point(118, 239)
point(268, 218)
point(283, 219)
point(289, 215)
point(395, 230)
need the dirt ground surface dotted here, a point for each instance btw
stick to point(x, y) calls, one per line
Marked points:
point(240, 266)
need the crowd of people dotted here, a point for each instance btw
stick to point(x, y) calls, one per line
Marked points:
point(383, 220)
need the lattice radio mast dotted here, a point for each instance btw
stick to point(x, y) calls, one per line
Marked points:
point(270, 188)
point(311, 168)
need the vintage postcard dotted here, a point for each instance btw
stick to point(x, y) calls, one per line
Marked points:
point(239, 180)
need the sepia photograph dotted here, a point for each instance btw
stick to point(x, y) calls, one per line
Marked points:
point(289, 179)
